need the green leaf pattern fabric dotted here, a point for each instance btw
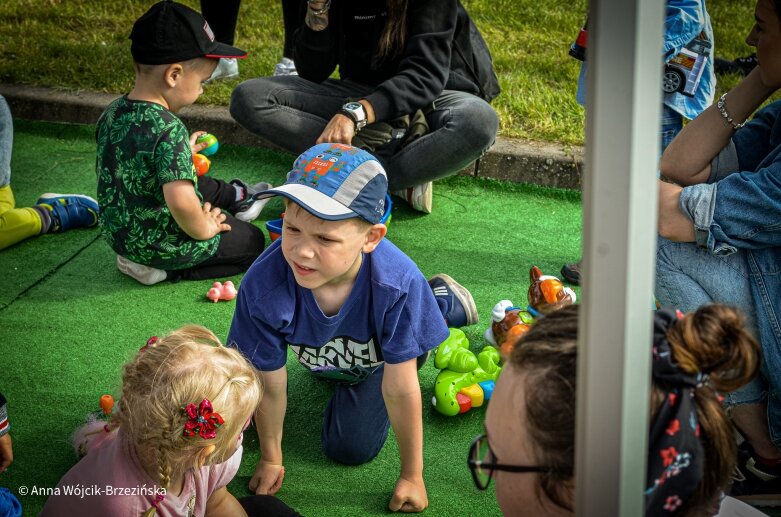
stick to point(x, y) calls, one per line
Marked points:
point(142, 146)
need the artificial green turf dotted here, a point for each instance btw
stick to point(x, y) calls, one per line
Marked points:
point(69, 320)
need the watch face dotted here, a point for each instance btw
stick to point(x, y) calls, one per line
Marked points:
point(353, 106)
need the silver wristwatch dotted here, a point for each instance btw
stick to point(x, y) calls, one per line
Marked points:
point(355, 111)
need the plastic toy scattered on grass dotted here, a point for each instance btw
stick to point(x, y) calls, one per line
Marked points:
point(509, 322)
point(547, 293)
point(220, 291)
point(211, 144)
point(107, 404)
point(201, 163)
point(466, 380)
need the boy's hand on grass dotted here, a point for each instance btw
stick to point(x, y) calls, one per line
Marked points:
point(215, 219)
point(6, 452)
point(409, 496)
point(267, 479)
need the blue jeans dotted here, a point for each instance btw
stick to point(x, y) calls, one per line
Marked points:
point(672, 121)
point(291, 113)
point(688, 277)
point(356, 423)
point(6, 142)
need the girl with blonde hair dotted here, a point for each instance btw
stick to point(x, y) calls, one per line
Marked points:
point(174, 441)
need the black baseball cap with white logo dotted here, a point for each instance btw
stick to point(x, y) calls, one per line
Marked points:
point(170, 32)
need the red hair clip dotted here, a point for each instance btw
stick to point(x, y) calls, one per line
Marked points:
point(149, 342)
point(202, 420)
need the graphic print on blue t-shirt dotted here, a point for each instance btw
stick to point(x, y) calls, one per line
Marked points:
point(342, 358)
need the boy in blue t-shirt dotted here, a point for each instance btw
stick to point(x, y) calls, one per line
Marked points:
point(353, 308)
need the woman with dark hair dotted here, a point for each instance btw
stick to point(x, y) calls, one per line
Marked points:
point(415, 81)
point(720, 239)
point(529, 443)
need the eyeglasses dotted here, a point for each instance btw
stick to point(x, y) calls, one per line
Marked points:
point(482, 463)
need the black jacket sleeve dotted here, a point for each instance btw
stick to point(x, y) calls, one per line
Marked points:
point(316, 53)
point(422, 69)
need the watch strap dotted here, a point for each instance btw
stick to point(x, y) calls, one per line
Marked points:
point(359, 124)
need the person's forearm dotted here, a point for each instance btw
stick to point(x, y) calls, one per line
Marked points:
point(270, 415)
point(194, 223)
point(186, 209)
point(405, 410)
point(691, 152)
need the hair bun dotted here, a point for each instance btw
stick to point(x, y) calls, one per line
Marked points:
point(714, 340)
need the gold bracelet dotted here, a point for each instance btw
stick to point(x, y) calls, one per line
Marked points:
point(723, 110)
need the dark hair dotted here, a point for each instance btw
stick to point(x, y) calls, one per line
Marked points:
point(394, 35)
point(712, 340)
point(777, 4)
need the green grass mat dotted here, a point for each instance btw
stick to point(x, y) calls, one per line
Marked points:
point(69, 320)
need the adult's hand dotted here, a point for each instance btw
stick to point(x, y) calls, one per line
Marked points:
point(317, 14)
point(673, 224)
point(340, 130)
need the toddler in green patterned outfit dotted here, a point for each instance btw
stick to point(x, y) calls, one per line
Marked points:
point(162, 220)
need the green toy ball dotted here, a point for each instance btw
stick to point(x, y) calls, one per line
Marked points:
point(212, 144)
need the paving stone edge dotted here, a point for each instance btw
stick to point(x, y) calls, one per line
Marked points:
point(539, 163)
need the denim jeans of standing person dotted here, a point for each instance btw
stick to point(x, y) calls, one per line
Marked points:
point(672, 121)
point(6, 142)
point(688, 277)
point(291, 112)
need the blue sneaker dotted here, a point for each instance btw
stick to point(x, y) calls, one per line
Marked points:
point(70, 211)
point(458, 305)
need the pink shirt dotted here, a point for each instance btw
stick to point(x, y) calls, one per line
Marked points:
point(93, 486)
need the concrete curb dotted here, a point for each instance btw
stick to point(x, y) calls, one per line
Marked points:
point(545, 164)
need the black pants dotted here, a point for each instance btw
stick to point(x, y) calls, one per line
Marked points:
point(222, 16)
point(238, 248)
point(266, 506)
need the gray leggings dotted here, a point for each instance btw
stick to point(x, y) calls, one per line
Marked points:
point(291, 113)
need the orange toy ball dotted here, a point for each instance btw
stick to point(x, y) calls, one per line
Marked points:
point(201, 163)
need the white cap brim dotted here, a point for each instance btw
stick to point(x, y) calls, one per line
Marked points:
point(311, 200)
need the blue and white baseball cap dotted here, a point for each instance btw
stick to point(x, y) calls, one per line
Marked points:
point(335, 182)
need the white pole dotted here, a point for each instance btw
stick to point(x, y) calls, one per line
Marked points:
point(619, 243)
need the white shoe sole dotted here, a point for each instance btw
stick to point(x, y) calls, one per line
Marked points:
point(254, 210)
